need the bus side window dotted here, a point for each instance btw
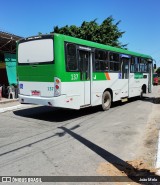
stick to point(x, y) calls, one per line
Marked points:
point(132, 64)
point(136, 65)
point(101, 60)
point(97, 65)
point(71, 57)
point(114, 62)
point(143, 65)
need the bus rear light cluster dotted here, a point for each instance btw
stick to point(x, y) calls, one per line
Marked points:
point(57, 86)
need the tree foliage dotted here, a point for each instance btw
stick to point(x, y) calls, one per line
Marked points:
point(158, 71)
point(106, 33)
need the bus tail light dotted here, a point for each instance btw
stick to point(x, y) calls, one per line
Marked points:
point(57, 86)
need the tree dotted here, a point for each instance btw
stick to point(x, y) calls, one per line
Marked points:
point(105, 33)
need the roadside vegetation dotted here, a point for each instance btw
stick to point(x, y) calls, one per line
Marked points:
point(105, 33)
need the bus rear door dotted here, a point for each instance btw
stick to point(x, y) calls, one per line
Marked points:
point(85, 75)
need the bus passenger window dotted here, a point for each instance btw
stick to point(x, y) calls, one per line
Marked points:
point(140, 61)
point(111, 66)
point(104, 65)
point(71, 59)
point(142, 65)
point(136, 66)
point(101, 60)
point(116, 66)
point(114, 62)
point(97, 65)
point(132, 65)
point(145, 66)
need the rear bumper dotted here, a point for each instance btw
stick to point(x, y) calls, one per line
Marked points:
point(60, 101)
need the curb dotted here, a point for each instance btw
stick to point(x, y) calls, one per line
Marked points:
point(10, 108)
point(8, 101)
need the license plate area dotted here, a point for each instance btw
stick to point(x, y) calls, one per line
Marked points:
point(35, 93)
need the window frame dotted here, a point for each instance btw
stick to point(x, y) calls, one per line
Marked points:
point(138, 63)
point(76, 57)
point(99, 61)
point(108, 61)
point(114, 62)
point(41, 37)
point(143, 66)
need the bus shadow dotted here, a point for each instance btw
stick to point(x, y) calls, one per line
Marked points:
point(46, 113)
point(56, 115)
point(132, 173)
point(154, 100)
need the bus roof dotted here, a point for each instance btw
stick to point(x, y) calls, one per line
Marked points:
point(101, 46)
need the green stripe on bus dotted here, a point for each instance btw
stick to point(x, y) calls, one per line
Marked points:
point(138, 75)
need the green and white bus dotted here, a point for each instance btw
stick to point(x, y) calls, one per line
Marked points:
point(67, 72)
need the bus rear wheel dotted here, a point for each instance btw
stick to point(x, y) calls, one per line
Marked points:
point(106, 100)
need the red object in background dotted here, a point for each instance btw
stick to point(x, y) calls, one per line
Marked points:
point(155, 79)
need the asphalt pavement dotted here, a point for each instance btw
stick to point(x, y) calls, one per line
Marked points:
point(44, 141)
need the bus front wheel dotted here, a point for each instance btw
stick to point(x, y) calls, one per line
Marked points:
point(106, 100)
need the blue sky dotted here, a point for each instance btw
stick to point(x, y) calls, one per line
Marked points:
point(140, 19)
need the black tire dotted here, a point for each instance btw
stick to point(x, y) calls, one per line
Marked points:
point(106, 100)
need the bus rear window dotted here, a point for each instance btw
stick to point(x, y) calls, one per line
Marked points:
point(36, 51)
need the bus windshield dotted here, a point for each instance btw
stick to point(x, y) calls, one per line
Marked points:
point(36, 51)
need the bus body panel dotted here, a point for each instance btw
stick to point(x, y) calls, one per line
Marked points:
point(118, 86)
point(45, 89)
point(60, 101)
point(136, 81)
point(75, 91)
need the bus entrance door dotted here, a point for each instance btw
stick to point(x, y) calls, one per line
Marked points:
point(125, 76)
point(84, 61)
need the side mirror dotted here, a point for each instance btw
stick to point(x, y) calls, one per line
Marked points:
point(155, 66)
